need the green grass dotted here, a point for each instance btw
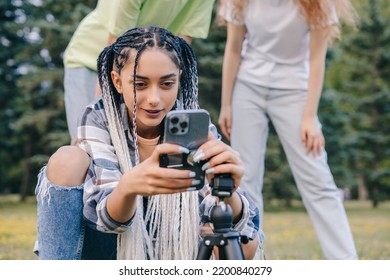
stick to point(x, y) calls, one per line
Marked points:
point(289, 233)
point(17, 228)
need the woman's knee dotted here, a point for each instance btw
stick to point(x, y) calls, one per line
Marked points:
point(68, 166)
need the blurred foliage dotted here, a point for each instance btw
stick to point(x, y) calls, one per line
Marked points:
point(33, 125)
point(354, 109)
point(10, 44)
point(357, 104)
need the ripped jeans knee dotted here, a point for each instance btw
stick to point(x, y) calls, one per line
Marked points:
point(59, 220)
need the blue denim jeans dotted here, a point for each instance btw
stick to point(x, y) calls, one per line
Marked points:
point(63, 234)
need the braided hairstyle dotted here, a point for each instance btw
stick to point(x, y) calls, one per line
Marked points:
point(115, 57)
point(169, 224)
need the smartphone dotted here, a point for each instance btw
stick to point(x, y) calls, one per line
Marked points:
point(187, 128)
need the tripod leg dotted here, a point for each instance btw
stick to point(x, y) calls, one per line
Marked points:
point(204, 252)
point(231, 251)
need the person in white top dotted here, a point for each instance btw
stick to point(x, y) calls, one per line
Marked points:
point(273, 69)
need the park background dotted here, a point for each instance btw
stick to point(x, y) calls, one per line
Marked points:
point(354, 111)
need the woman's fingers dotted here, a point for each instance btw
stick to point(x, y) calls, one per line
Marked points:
point(220, 158)
point(217, 152)
point(167, 187)
point(225, 126)
point(164, 182)
point(312, 137)
point(315, 144)
point(167, 148)
point(148, 178)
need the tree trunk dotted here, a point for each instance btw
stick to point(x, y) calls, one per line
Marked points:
point(362, 188)
point(26, 181)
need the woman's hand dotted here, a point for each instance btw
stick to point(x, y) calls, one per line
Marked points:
point(225, 121)
point(148, 178)
point(312, 136)
point(221, 158)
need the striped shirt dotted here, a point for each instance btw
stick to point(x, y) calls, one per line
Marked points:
point(104, 174)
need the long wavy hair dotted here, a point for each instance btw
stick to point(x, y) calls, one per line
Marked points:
point(316, 12)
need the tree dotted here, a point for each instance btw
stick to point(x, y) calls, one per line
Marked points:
point(10, 45)
point(39, 126)
point(360, 75)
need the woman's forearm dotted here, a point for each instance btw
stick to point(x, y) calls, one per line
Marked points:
point(121, 205)
point(318, 47)
point(231, 61)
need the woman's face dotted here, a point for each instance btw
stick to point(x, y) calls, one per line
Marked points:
point(157, 84)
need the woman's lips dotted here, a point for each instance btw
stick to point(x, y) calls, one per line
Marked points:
point(152, 113)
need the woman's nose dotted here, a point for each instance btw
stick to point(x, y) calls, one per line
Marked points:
point(154, 96)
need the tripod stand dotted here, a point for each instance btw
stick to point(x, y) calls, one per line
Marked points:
point(224, 237)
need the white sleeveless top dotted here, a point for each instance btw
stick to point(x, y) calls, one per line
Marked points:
point(277, 46)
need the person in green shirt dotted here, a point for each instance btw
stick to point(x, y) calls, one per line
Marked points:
point(110, 19)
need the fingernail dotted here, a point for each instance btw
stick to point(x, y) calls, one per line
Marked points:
point(191, 189)
point(205, 166)
point(198, 155)
point(195, 182)
point(192, 174)
point(210, 170)
point(184, 150)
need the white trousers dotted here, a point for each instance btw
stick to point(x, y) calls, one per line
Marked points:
point(253, 107)
point(80, 87)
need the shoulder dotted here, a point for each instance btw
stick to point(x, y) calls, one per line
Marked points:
point(233, 11)
point(94, 115)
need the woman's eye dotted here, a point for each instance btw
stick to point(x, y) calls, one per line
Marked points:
point(140, 84)
point(168, 83)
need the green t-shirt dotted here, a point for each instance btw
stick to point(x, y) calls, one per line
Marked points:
point(187, 17)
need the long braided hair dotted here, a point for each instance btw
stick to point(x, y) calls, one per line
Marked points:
point(167, 230)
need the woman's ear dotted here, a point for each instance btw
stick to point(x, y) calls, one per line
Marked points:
point(116, 80)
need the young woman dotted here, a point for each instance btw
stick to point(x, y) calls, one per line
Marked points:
point(110, 19)
point(132, 207)
point(273, 69)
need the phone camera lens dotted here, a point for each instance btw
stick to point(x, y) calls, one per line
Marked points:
point(174, 130)
point(183, 124)
point(174, 120)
